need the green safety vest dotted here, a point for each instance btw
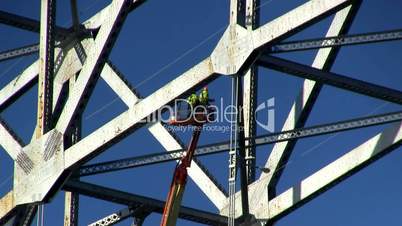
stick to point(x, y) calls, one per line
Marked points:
point(204, 97)
point(192, 99)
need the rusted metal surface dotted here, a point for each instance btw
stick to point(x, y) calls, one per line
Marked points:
point(71, 200)
point(46, 66)
point(7, 204)
point(34, 184)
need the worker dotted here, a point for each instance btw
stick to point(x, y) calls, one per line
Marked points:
point(204, 96)
point(193, 100)
point(192, 103)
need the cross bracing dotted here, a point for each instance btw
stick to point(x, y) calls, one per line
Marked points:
point(57, 153)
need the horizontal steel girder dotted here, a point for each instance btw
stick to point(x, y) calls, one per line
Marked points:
point(139, 212)
point(128, 199)
point(342, 40)
point(114, 218)
point(331, 79)
point(17, 52)
point(33, 25)
point(225, 146)
point(119, 216)
point(300, 45)
point(27, 23)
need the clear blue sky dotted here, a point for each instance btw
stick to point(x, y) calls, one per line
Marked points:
point(154, 46)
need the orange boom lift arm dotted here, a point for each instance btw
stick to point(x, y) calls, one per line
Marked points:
point(175, 195)
point(173, 202)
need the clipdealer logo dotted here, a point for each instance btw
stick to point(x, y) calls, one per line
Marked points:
point(180, 111)
point(269, 107)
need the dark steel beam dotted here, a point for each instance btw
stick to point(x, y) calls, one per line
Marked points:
point(25, 216)
point(33, 25)
point(342, 40)
point(138, 212)
point(133, 200)
point(22, 215)
point(238, 92)
point(74, 14)
point(237, 152)
point(220, 147)
point(332, 79)
point(28, 24)
point(17, 52)
point(250, 92)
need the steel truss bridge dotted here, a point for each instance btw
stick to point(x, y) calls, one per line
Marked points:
point(71, 60)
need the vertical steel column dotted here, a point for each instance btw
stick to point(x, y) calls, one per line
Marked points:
point(46, 65)
point(71, 209)
point(137, 221)
point(233, 158)
point(250, 84)
point(237, 81)
point(74, 14)
point(46, 69)
point(233, 135)
point(71, 202)
point(238, 94)
point(237, 151)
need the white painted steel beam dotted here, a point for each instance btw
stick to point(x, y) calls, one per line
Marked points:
point(167, 139)
point(7, 204)
point(46, 69)
point(250, 90)
point(335, 172)
point(98, 19)
point(203, 71)
point(265, 187)
point(300, 109)
point(203, 181)
point(19, 85)
point(126, 121)
point(11, 92)
point(291, 22)
point(235, 52)
point(8, 140)
point(71, 199)
point(308, 93)
point(93, 64)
